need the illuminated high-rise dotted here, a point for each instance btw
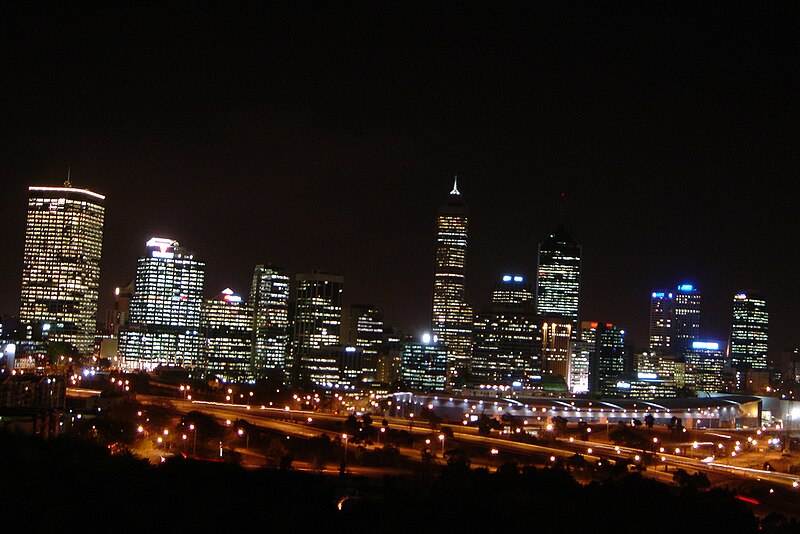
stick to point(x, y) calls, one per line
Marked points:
point(365, 330)
point(424, 366)
point(685, 318)
point(749, 332)
point(558, 279)
point(318, 318)
point(164, 316)
point(607, 360)
point(452, 316)
point(227, 327)
point(61, 263)
point(506, 335)
point(661, 309)
point(269, 299)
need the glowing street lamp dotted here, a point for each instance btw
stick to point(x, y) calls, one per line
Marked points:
point(344, 459)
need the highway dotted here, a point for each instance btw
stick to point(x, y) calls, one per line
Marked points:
point(266, 417)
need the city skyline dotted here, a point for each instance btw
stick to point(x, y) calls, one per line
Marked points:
point(674, 163)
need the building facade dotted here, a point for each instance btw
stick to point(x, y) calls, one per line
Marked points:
point(706, 364)
point(164, 317)
point(424, 366)
point(685, 318)
point(747, 349)
point(227, 327)
point(452, 316)
point(366, 331)
point(558, 278)
point(318, 318)
point(269, 300)
point(506, 336)
point(61, 263)
point(661, 309)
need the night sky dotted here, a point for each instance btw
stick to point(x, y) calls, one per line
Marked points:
point(326, 135)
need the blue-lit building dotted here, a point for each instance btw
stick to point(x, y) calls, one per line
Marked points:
point(674, 319)
point(424, 366)
point(685, 318)
point(661, 306)
point(705, 363)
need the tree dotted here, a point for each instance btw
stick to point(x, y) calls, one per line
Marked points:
point(559, 425)
point(675, 425)
point(649, 420)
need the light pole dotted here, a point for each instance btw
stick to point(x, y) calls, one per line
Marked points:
point(194, 446)
point(247, 437)
point(383, 430)
point(344, 459)
point(441, 438)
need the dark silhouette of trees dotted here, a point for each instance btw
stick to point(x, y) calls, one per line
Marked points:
point(649, 420)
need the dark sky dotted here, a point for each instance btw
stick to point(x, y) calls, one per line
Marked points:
point(325, 135)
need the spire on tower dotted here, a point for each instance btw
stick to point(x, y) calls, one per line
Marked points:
point(455, 190)
point(67, 183)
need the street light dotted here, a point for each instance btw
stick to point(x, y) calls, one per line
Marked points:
point(343, 468)
point(194, 446)
point(241, 432)
point(441, 438)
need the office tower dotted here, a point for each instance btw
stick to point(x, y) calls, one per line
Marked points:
point(339, 366)
point(318, 316)
point(506, 335)
point(705, 364)
point(749, 333)
point(390, 359)
point(452, 316)
point(365, 330)
point(685, 318)
point(556, 347)
point(164, 319)
point(661, 308)
point(269, 299)
point(61, 263)
point(424, 366)
point(607, 360)
point(559, 278)
point(579, 361)
point(226, 324)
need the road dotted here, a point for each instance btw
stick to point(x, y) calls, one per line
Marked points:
point(274, 418)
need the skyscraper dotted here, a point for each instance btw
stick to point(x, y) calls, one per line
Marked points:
point(318, 318)
point(661, 309)
point(452, 316)
point(164, 318)
point(558, 279)
point(269, 299)
point(61, 263)
point(607, 361)
point(506, 335)
point(749, 332)
point(365, 330)
point(425, 365)
point(226, 324)
point(685, 318)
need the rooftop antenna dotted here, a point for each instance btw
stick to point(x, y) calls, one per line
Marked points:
point(561, 207)
point(455, 190)
point(67, 183)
